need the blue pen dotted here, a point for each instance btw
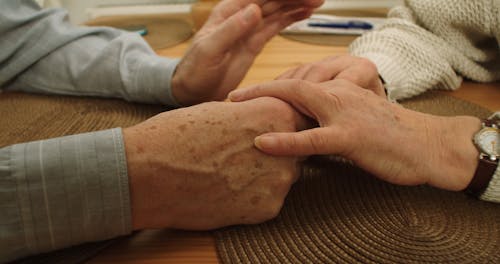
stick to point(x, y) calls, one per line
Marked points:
point(345, 25)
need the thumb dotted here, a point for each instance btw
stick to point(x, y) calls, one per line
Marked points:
point(233, 29)
point(317, 141)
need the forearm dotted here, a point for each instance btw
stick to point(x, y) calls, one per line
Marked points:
point(44, 53)
point(62, 192)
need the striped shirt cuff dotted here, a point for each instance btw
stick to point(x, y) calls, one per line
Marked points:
point(61, 192)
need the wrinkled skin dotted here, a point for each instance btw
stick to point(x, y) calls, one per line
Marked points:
point(197, 168)
point(226, 46)
point(393, 143)
point(359, 71)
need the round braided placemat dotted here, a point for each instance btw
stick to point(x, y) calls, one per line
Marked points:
point(28, 117)
point(31, 117)
point(337, 213)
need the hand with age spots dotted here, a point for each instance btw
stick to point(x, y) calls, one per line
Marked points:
point(226, 46)
point(197, 168)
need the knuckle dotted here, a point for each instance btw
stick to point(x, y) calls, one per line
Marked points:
point(320, 69)
point(273, 210)
point(199, 46)
point(300, 86)
point(317, 142)
point(333, 58)
point(292, 144)
point(287, 178)
point(353, 77)
point(368, 65)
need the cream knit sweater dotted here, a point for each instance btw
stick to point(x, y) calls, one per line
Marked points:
point(431, 44)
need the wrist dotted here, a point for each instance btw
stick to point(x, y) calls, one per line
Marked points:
point(458, 156)
point(179, 91)
point(141, 199)
point(182, 94)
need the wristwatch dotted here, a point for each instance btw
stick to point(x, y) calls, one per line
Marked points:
point(487, 141)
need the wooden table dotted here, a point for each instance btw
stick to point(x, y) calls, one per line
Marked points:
point(169, 246)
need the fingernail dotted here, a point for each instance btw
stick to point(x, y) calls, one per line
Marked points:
point(249, 14)
point(265, 142)
point(235, 95)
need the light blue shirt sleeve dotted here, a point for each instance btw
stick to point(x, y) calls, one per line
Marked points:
point(61, 192)
point(65, 191)
point(40, 51)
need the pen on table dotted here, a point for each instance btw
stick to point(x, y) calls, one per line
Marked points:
point(345, 25)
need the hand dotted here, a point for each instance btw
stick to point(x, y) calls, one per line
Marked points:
point(197, 168)
point(357, 70)
point(226, 46)
point(396, 144)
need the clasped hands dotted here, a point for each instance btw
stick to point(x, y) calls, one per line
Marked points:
point(197, 167)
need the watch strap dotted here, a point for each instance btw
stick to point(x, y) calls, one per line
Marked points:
point(485, 170)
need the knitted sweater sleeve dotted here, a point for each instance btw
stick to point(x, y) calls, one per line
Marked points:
point(432, 44)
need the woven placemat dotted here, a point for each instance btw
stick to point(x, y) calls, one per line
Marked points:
point(31, 117)
point(337, 213)
point(28, 117)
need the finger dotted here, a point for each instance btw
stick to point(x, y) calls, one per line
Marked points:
point(223, 10)
point(233, 29)
point(327, 69)
point(273, 24)
point(305, 3)
point(301, 72)
point(227, 8)
point(269, 7)
point(317, 141)
point(307, 98)
point(288, 74)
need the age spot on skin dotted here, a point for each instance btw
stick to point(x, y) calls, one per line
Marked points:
point(255, 200)
point(140, 149)
point(152, 127)
point(258, 164)
point(215, 164)
point(191, 122)
point(182, 128)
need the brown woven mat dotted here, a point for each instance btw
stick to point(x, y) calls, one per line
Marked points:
point(337, 213)
point(28, 117)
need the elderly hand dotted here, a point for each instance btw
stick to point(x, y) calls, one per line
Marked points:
point(197, 168)
point(357, 70)
point(226, 46)
point(396, 144)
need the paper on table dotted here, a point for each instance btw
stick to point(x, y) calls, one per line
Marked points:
point(302, 27)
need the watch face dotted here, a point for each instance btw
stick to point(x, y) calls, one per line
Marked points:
point(488, 141)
